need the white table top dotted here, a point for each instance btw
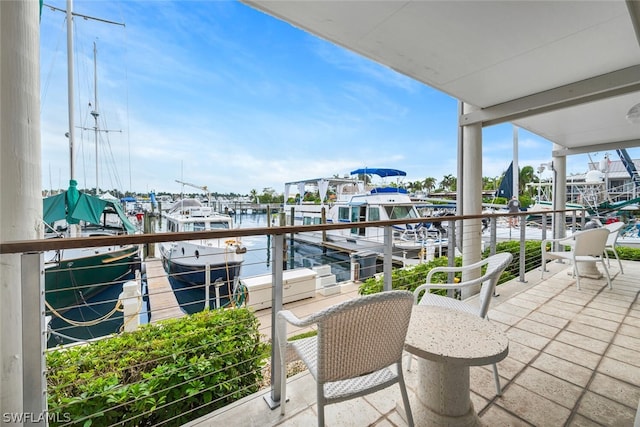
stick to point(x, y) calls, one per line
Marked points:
point(453, 337)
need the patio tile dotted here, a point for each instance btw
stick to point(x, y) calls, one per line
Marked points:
point(527, 338)
point(580, 421)
point(564, 369)
point(498, 417)
point(592, 331)
point(385, 401)
point(582, 341)
point(601, 314)
point(624, 354)
point(573, 354)
point(533, 297)
point(509, 308)
point(627, 342)
point(355, 412)
point(617, 309)
point(543, 293)
point(609, 325)
point(557, 312)
point(532, 407)
point(616, 390)
point(538, 328)
point(548, 319)
point(521, 353)
point(503, 317)
point(482, 383)
point(479, 402)
point(620, 370)
point(605, 411)
point(550, 387)
point(630, 331)
point(526, 303)
point(632, 321)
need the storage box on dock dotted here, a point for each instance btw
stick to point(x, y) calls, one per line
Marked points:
point(298, 284)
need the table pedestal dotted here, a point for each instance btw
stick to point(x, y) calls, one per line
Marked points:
point(589, 270)
point(443, 398)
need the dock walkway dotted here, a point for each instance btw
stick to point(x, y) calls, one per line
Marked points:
point(162, 300)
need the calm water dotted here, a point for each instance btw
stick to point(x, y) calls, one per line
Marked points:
point(258, 261)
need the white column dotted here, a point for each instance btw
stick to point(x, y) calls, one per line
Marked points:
point(471, 196)
point(20, 178)
point(559, 193)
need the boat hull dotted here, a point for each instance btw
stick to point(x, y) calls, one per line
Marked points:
point(74, 280)
point(186, 262)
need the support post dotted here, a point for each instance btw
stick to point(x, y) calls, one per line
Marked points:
point(34, 337)
point(273, 398)
point(386, 263)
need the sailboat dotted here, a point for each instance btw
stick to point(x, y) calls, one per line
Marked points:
point(73, 276)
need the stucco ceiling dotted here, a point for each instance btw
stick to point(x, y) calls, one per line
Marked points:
point(568, 71)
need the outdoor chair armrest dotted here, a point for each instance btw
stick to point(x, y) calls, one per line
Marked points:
point(544, 243)
point(428, 286)
point(455, 269)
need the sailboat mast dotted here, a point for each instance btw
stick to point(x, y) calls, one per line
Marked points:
point(94, 112)
point(70, 85)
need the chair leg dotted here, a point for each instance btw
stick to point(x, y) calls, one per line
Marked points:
point(405, 396)
point(283, 385)
point(615, 252)
point(496, 378)
point(320, 400)
point(606, 270)
point(410, 359)
point(576, 274)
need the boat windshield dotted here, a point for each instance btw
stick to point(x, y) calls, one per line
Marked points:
point(401, 212)
point(219, 225)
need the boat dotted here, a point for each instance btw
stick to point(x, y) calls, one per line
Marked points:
point(187, 261)
point(73, 276)
point(352, 200)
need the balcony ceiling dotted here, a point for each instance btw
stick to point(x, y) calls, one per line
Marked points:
point(568, 71)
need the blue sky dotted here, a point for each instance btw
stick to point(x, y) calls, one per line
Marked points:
point(218, 94)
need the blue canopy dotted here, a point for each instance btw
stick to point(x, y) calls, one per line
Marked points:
point(381, 172)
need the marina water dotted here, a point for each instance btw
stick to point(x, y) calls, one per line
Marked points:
point(258, 261)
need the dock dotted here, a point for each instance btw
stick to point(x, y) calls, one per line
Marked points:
point(162, 300)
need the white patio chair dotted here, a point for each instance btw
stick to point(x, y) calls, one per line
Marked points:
point(586, 246)
point(358, 343)
point(614, 232)
point(496, 264)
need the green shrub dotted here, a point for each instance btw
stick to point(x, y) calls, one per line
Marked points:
point(168, 373)
point(408, 278)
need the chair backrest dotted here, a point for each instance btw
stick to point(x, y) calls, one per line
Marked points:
point(590, 242)
point(496, 264)
point(362, 335)
point(614, 231)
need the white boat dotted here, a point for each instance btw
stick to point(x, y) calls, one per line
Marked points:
point(349, 200)
point(187, 261)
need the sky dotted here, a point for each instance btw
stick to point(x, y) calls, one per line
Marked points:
point(217, 94)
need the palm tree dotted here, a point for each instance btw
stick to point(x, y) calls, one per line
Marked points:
point(527, 175)
point(429, 184)
point(254, 195)
point(448, 183)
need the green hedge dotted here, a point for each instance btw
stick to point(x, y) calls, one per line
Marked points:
point(411, 277)
point(168, 373)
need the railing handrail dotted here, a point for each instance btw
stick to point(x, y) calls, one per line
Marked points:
point(39, 245)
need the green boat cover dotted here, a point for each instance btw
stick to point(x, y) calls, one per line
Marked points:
point(74, 206)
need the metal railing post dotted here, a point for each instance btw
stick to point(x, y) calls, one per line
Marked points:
point(273, 398)
point(523, 240)
point(386, 263)
point(34, 374)
point(451, 253)
point(493, 232)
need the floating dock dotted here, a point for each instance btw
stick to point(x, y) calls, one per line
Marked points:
point(162, 301)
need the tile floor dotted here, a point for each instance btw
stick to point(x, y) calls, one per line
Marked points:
point(574, 360)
